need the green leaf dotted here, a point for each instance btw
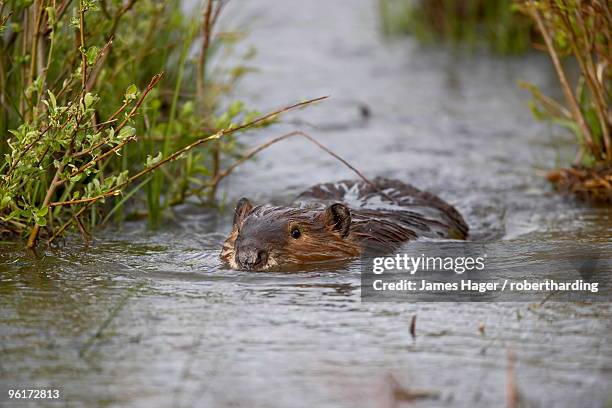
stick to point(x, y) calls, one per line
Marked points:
point(187, 109)
point(42, 221)
point(151, 161)
point(13, 214)
point(52, 100)
point(91, 54)
point(41, 212)
point(235, 108)
point(89, 99)
point(131, 91)
point(126, 132)
point(5, 201)
point(51, 13)
point(39, 216)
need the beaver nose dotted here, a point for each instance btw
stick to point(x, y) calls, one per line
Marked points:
point(251, 258)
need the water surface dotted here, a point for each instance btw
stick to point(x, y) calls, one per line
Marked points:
point(153, 319)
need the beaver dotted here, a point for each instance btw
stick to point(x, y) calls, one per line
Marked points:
point(337, 221)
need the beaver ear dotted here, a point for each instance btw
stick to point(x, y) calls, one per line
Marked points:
point(243, 208)
point(338, 217)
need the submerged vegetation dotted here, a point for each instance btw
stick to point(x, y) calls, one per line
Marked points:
point(491, 23)
point(582, 30)
point(95, 96)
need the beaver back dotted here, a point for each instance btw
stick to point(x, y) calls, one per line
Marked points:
point(388, 210)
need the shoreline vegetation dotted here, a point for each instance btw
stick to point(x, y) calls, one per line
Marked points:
point(113, 111)
point(108, 103)
point(469, 23)
point(580, 31)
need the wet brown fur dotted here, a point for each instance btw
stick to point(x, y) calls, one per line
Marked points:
point(400, 214)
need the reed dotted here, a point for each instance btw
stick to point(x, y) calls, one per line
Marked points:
point(472, 23)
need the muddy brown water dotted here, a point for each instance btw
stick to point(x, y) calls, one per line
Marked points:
point(152, 319)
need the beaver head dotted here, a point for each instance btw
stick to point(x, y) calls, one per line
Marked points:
point(265, 237)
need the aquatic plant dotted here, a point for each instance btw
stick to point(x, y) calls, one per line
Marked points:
point(96, 96)
point(581, 30)
point(469, 22)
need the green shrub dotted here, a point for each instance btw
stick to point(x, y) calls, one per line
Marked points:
point(581, 30)
point(86, 112)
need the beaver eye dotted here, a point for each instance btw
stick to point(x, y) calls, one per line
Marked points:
point(295, 233)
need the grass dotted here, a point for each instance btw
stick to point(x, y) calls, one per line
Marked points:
point(101, 97)
point(475, 23)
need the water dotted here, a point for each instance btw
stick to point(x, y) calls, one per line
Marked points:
point(147, 319)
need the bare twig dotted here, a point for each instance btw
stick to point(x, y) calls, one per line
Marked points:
point(35, 38)
point(220, 5)
point(222, 133)
point(263, 146)
point(567, 90)
point(98, 64)
point(206, 34)
point(582, 49)
point(86, 236)
point(116, 18)
point(512, 395)
point(249, 155)
point(61, 10)
point(175, 156)
point(209, 18)
point(63, 227)
point(552, 106)
point(83, 50)
point(110, 193)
